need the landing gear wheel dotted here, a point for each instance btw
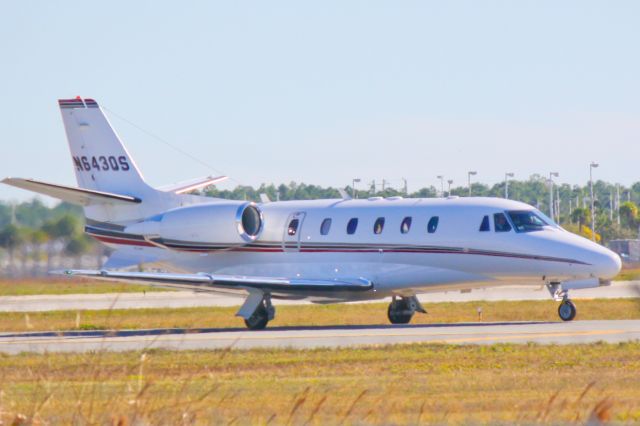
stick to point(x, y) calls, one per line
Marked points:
point(567, 310)
point(259, 319)
point(399, 313)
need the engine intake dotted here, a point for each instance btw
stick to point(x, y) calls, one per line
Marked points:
point(249, 222)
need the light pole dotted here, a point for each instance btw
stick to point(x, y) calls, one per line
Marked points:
point(551, 175)
point(611, 206)
point(592, 166)
point(441, 185)
point(506, 184)
point(469, 174)
point(618, 203)
point(450, 181)
point(353, 187)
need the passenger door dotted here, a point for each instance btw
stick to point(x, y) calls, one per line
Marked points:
point(292, 231)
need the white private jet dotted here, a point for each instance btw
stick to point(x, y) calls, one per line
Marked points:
point(325, 251)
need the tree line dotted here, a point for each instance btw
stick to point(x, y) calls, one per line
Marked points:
point(35, 238)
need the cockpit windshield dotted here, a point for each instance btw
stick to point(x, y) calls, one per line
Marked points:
point(527, 221)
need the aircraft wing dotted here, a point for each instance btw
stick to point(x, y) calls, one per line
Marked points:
point(213, 282)
point(80, 196)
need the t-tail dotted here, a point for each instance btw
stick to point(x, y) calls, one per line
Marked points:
point(110, 186)
point(100, 160)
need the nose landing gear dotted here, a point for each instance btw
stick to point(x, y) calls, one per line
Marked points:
point(567, 310)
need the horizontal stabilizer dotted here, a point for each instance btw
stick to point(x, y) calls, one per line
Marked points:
point(204, 282)
point(193, 184)
point(80, 196)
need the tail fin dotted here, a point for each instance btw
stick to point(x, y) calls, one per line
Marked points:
point(111, 186)
point(101, 161)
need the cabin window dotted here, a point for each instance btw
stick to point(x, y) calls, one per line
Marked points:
point(484, 226)
point(405, 226)
point(378, 226)
point(433, 224)
point(293, 227)
point(500, 223)
point(326, 226)
point(352, 226)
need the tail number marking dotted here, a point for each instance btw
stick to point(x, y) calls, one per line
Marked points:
point(101, 163)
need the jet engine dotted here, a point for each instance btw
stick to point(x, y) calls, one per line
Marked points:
point(224, 223)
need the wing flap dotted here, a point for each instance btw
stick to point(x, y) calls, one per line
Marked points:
point(212, 282)
point(80, 196)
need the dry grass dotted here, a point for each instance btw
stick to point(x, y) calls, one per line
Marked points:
point(313, 315)
point(36, 286)
point(404, 384)
point(629, 274)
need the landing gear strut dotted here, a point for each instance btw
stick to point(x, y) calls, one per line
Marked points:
point(567, 310)
point(401, 309)
point(263, 312)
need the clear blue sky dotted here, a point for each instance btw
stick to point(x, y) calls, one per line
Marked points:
point(323, 92)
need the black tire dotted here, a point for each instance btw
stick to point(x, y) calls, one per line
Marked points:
point(394, 316)
point(259, 319)
point(567, 310)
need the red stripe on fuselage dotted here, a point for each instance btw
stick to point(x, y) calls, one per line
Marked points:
point(122, 241)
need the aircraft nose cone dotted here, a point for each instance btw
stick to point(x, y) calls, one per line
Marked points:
point(607, 264)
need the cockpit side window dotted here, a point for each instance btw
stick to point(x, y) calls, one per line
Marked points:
point(484, 226)
point(500, 223)
point(378, 226)
point(527, 221)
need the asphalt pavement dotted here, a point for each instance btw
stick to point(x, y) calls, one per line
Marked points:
point(315, 337)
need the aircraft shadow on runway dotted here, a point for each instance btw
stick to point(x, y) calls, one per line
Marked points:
point(168, 331)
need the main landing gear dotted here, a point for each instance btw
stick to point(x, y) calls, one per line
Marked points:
point(257, 311)
point(401, 309)
point(567, 310)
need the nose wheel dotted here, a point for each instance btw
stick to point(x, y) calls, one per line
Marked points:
point(567, 310)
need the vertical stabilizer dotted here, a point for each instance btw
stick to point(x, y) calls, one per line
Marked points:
point(100, 160)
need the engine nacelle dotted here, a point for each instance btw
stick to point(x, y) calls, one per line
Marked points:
point(232, 223)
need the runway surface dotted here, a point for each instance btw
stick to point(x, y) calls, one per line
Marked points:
point(185, 299)
point(314, 337)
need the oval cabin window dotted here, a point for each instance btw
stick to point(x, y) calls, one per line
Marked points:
point(405, 226)
point(433, 224)
point(352, 226)
point(378, 226)
point(325, 227)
